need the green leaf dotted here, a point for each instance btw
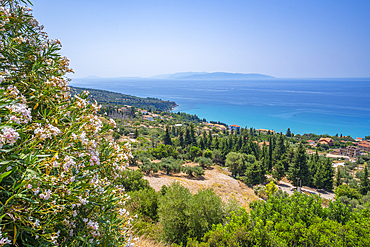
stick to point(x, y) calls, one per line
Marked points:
point(2, 176)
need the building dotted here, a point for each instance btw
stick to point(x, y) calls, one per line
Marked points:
point(311, 142)
point(261, 144)
point(364, 146)
point(359, 139)
point(350, 151)
point(143, 111)
point(150, 118)
point(266, 131)
point(327, 141)
point(234, 127)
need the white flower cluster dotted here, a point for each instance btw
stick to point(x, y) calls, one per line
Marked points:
point(22, 114)
point(46, 132)
point(9, 136)
point(3, 240)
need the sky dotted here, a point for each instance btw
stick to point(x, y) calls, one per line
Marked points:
point(281, 38)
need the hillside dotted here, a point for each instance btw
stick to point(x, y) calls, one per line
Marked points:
point(106, 97)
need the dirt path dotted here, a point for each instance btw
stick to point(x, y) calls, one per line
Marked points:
point(222, 183)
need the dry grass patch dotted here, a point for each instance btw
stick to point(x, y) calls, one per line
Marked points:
point(216, 178)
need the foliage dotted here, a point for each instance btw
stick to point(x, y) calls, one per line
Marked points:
point(299, 167)
point(203, 162)
point(132, 180)
point(61, 178)
point(270, 188)
point(365, 182)
point(193, 171)
point(172, 215)
point(299, 220)
point(236, 163)
point(185, 216)
point(345, 190)
point(203, 210)
point(107, 97)
point(144, 202)
point(163, 151)
point(170, 165)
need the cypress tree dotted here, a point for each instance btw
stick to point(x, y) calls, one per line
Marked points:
point(192, 135)
point(270, 152)
point(167, 137)
point(299, 167)
point(328, 174)
point(210, 139)
point(187, 136)
point(181, 138)
point(338, 177)
point(365, 183)
point(279, 171)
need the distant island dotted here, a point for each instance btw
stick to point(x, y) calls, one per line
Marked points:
point(188, 76)
point(211, 76)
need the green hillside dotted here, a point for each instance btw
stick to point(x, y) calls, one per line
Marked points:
point(106, 97)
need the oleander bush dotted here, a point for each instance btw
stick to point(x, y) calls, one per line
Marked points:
point(60, 175)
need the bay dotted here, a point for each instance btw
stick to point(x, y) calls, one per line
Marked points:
point(320, 106)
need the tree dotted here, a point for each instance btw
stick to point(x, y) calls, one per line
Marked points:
point(58, 166)
point(167, 137)
point(255, 172)
point(345, 190)
point(299, 167)
point(328, 172)
point(236, 163)
point(136, 133)
point(279, 171)
point(181, 138)
point(288, 133)
point(270, 188)
point(338, 177)
point(204, 209)
point(195, 152)
point(171, 212)
point(365, 182)
point(203, 162)
point(193, 170)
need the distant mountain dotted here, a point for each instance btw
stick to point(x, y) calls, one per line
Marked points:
point(211, 76)
point(184, 76)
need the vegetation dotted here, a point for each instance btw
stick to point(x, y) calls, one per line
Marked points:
point(60, 176)
point(111, 98)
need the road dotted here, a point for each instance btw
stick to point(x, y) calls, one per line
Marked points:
point(290, 190)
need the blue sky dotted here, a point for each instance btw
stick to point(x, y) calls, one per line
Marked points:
point(285, 39)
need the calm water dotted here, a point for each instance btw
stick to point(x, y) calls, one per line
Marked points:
point(321, 106)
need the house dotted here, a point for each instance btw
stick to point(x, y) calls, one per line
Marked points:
point(220, 127)
point(143, 111)
point(311, 142)
point(364, 146)
point(261, 144)
point(359, 139)
point(150, 118)
point(327, 141)
point(350, 151)
point(266, 131)
point(178, 125)
point(234, 127)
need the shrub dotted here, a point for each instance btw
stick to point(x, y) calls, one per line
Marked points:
point(203, 162)
point(60, 176)
point(193, 170)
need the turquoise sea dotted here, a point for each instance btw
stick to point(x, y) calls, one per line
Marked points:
point(320, 106)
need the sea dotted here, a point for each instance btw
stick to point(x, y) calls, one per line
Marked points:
point(319, 106)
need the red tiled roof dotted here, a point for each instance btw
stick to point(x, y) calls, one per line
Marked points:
point(234, 125)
